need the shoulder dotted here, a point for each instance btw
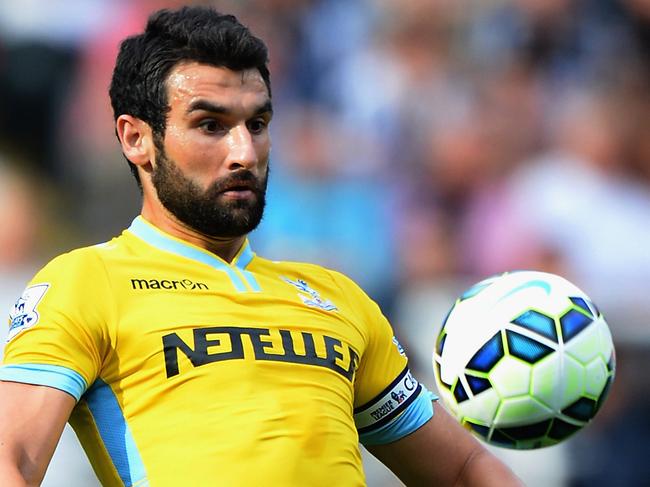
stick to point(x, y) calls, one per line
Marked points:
point(74, 260)
point(326, 284)
point(86, 264)
point(310, 272)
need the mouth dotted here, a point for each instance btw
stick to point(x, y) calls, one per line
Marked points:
point(238, 191)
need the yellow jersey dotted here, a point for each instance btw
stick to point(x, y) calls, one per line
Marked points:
point(189, 370)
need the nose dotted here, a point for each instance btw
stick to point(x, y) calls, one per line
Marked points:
point(241, 149)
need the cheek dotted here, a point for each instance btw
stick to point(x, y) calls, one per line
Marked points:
point(263, 149)
point(192, 153)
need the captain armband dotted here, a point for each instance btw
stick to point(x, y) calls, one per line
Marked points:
point(401, 408)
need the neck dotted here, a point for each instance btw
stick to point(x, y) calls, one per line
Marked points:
point(224, 247)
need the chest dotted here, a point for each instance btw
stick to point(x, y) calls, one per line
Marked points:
point(172, 323)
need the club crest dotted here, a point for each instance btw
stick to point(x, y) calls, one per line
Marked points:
point(310, 296)
point(24, 314)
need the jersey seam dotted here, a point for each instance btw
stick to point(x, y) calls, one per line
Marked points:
point(113, 308)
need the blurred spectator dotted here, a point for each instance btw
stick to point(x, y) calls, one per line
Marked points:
point(89, 156)
point(317, 214)
point(39, 44)
point(579, 206)
point(565, 41)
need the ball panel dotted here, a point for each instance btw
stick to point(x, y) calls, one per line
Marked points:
point(531, 431)
point(481, 409)
point(459, 392)
point(516, 411)
point(596, 377)
point(582, 410)
point(510, 377)
point(488, 355)
point(436, 369)
point(561, 430)
point(572, 323)
point(585, 347)
point(545, 377)
point(480, 429)
point(606, 344)
point(537, 322)
point(605, 393)
point(526, 348)
point(477, 384)
point(582, 304)
point(572, 384)
point(611, 363)
point(499, 439)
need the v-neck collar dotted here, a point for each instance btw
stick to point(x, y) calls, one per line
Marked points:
point(236, 270)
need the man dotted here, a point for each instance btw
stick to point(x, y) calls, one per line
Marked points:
point(177, 354)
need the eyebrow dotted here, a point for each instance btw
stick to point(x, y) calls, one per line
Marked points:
point(208, 106)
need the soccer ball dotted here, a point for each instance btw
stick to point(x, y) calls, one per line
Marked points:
point(524, 359)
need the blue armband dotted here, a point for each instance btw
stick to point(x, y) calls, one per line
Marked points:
point(403, 407)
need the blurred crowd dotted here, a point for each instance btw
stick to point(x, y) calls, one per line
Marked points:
point(418, 146)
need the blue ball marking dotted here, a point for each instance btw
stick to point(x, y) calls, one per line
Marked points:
point(477, 384)
point(488, 355)
point(539, 323)
point(459, 393)
point(582, 304)
point(583, 409)
point(527, 432)
point(526, 348)
point(561, 429)
point(572, 323)
point(483, 431)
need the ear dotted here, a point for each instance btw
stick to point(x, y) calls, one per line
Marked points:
point(136, 138)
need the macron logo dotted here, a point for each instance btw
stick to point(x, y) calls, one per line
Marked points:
point(182, 284)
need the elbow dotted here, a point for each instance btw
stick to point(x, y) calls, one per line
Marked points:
point(19, 472)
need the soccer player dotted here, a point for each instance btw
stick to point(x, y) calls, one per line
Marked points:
point(179, 356)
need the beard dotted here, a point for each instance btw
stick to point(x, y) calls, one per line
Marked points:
point(206, 211)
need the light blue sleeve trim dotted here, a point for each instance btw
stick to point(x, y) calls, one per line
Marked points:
point(56, 376)
point(414, 416)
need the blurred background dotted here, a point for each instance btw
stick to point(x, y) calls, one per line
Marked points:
point(418, 146)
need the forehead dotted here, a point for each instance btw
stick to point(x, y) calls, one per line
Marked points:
point(188, 82)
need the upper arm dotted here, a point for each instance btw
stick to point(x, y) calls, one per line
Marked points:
point(57, 334)
point(389, 402)
point(442, 453)
point(32, 419)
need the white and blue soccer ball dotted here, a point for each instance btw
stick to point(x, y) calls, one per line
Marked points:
point(524, 359)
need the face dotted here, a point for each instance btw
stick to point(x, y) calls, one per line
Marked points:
point(211, 167)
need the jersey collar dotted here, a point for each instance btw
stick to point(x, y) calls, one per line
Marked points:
point(236, 270)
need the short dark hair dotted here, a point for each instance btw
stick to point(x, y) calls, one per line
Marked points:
point(200, 34)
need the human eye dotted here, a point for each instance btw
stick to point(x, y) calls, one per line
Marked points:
point(257, 125)
point(211, 126)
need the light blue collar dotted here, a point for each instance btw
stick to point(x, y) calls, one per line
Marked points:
point(242, 279)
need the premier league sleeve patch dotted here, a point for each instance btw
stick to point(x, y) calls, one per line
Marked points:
point(24, 314)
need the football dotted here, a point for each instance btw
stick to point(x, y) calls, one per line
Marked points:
point(524, 359)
